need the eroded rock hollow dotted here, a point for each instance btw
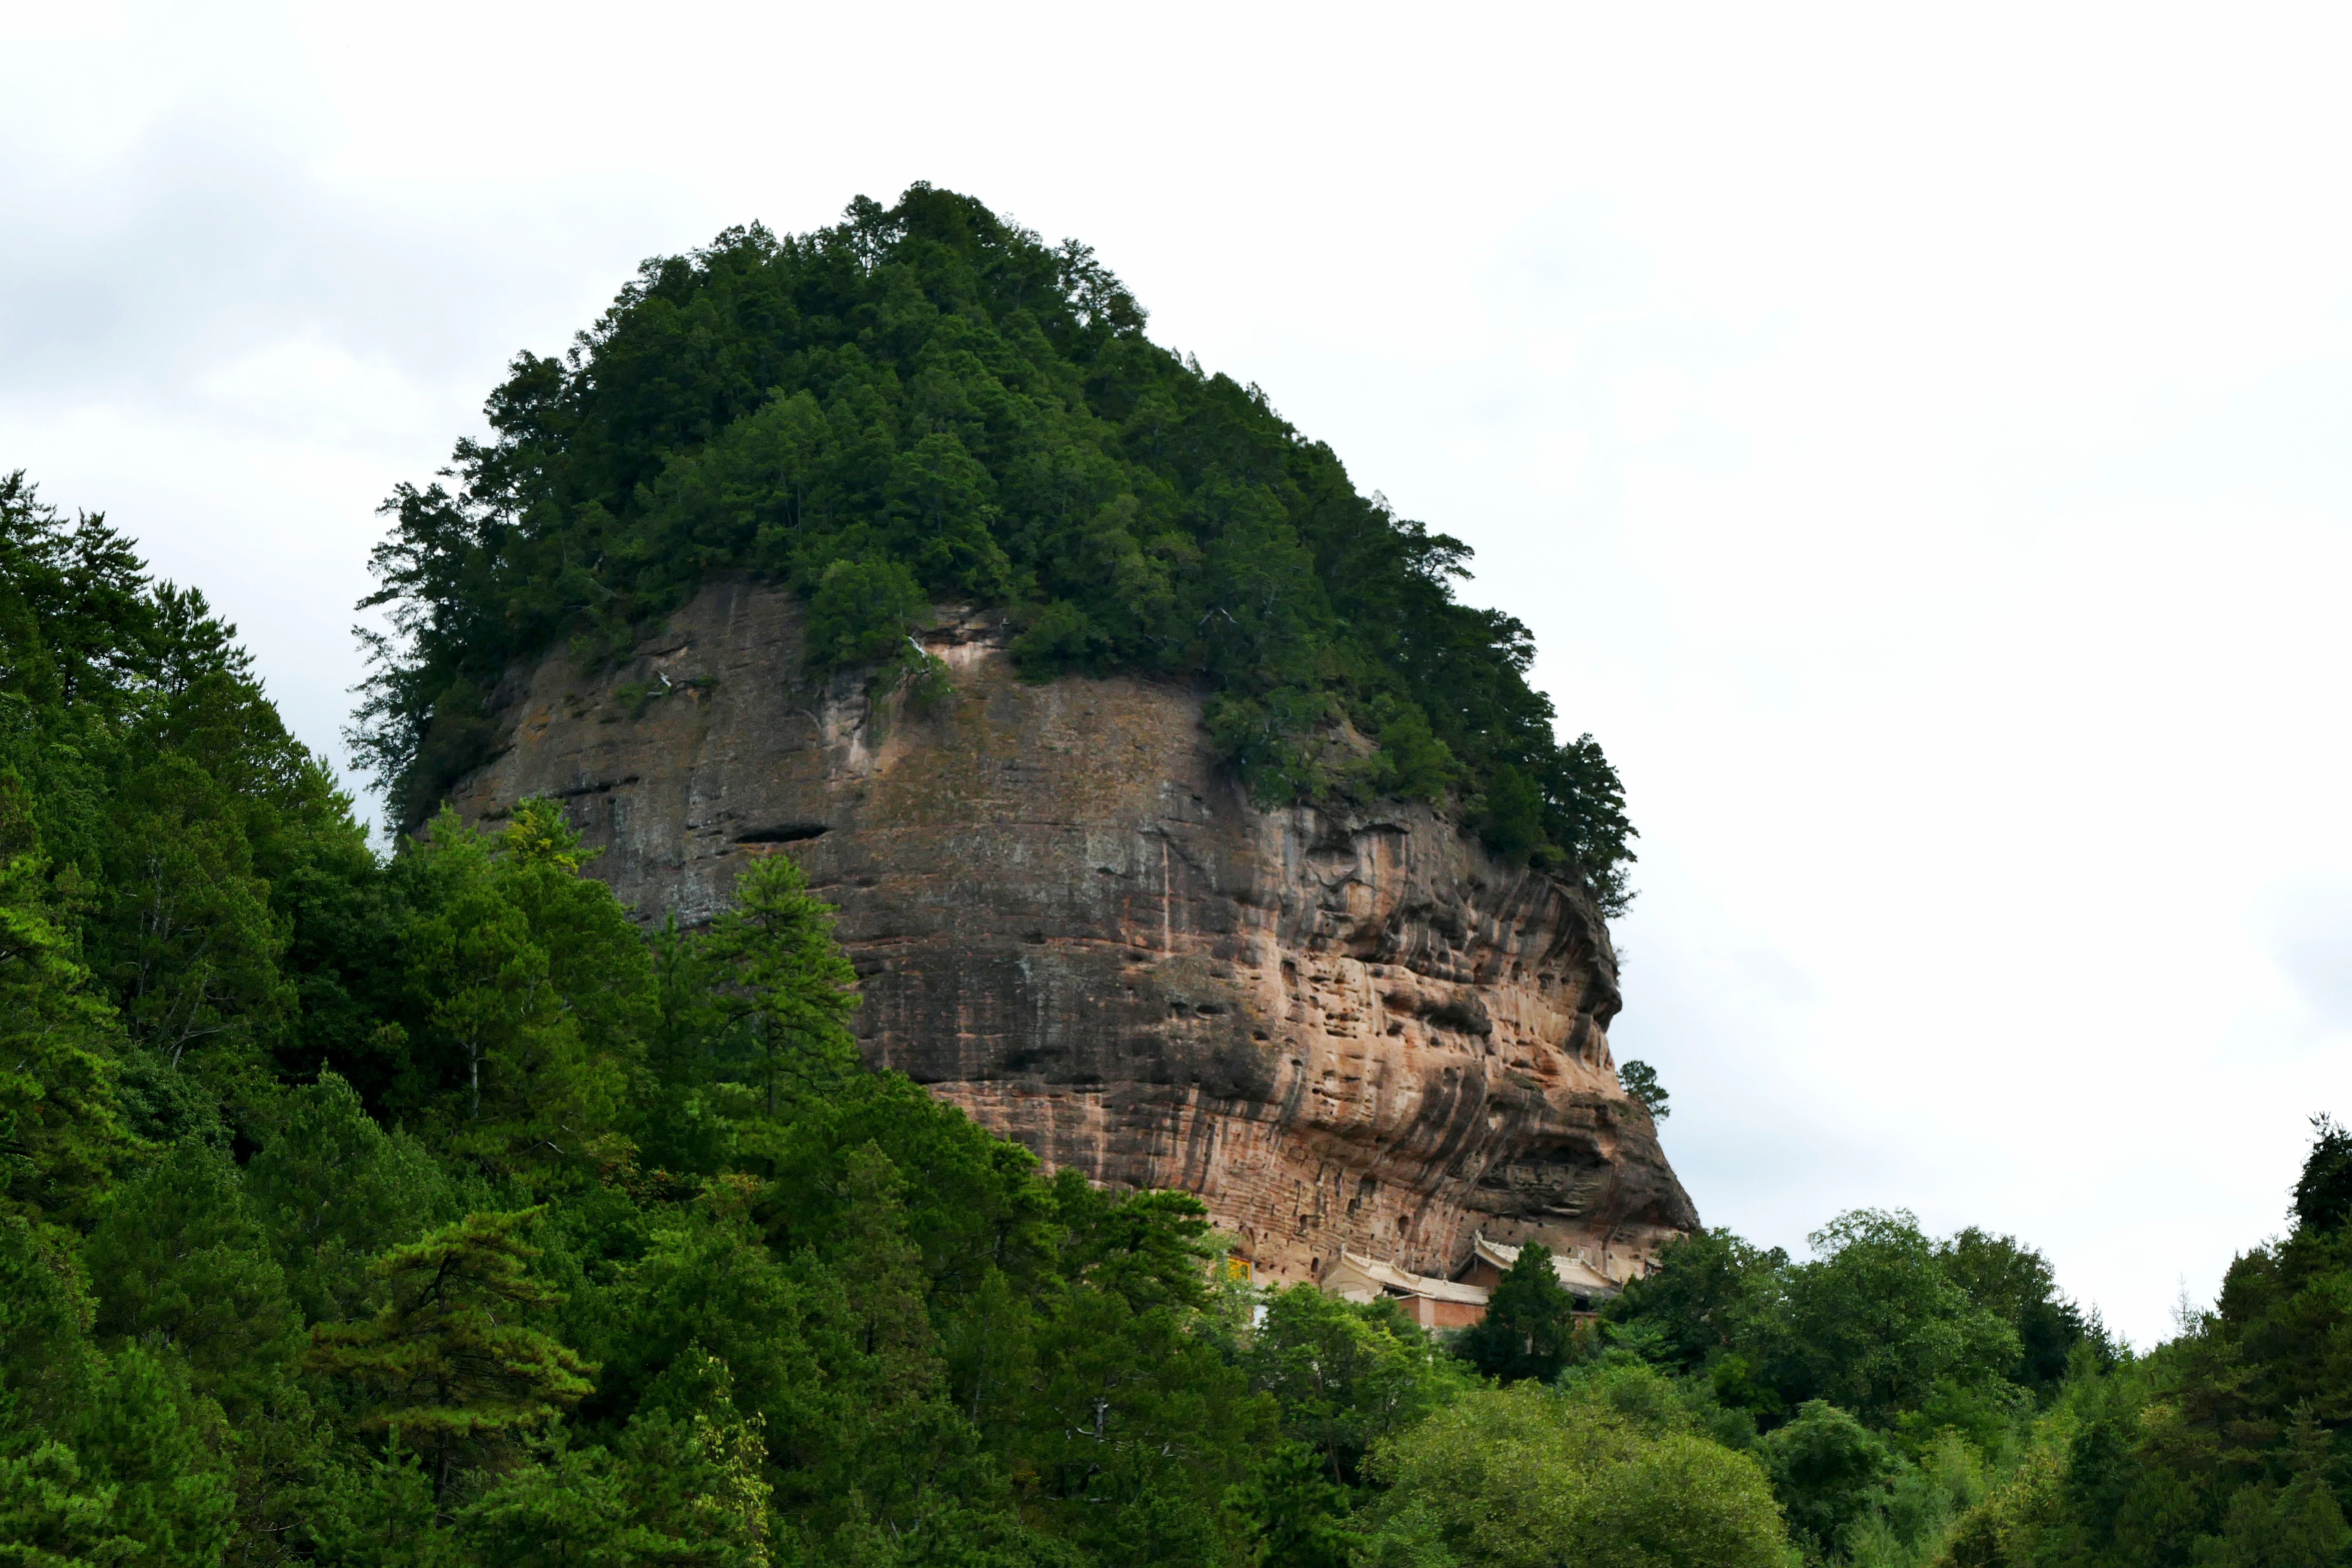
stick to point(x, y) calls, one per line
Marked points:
point(1339, 1028)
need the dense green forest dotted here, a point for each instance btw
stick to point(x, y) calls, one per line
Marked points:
point(927, 403)
point(421, 1209)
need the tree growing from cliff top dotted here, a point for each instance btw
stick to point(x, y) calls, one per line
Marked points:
point(1641, 1081)
point(927, 402)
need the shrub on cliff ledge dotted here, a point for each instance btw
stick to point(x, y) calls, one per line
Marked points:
point(927, 402)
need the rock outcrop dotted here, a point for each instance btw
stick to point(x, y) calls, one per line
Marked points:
point(1338, 1028)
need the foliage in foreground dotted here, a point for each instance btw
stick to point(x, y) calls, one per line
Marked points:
point(930, 403)
point(424, 1211)
point(2226, 1445)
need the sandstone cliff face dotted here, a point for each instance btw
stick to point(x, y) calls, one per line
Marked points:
point(1337, 1028)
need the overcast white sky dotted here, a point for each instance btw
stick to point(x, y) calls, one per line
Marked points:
point(1917, 440)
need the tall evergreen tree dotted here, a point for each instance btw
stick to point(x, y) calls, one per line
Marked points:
point(447, 1362)
point(1528, 1331)
point(533, 988)
point(60, 1124)
point(332, 1190)
point(180, 1260)
point(786, 978)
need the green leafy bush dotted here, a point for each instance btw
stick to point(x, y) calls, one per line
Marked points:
point(862, 611)
point(1526, 1477)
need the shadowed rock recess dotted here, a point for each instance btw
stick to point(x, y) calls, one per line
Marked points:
point(1338, 1028)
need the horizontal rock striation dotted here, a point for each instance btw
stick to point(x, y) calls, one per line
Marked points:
point(1338, 1027)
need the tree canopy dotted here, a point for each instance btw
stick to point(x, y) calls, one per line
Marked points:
point(926, 402)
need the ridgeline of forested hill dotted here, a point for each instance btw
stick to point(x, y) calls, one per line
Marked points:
point(927, 404)
point(418, 1209)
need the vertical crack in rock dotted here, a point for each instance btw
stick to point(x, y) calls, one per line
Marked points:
point(1340, 1028)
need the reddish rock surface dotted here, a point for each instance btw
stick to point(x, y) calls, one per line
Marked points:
point(1338, 1027)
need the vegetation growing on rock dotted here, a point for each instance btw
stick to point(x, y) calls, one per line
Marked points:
point(927, 402)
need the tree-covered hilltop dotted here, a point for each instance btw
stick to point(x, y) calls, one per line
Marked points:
point(927, 402)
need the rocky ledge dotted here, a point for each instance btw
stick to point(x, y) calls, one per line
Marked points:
point(1338, 1028)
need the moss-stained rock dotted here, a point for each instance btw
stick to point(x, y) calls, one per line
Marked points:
point(1351, 1028)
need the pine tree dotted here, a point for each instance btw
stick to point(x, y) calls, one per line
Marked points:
point(2323, 1194)
point(381, 1513)
point(2299, 1525)
point(133, 1471)
point(60, 1124)
point(190, 942)
point(1298, 1513)
point(446, 1362)
point(1528, 1325)
point(1640, 1080)
point(333, 1189)
point(180, 1260)
point(787, 976)
point(45, 1315)
point(535, 988)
